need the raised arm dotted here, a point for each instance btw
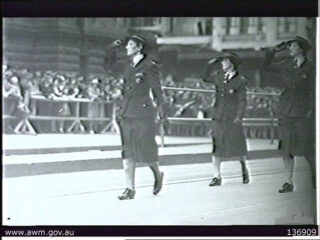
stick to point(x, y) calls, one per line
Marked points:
point(269, 64)
point(207, 71)
point(111, 53)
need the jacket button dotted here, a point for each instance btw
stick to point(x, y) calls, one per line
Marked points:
point(128, 88)
point(144, 105)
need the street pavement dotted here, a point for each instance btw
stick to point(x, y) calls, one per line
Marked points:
point(27, 155)
point(90, 198)
point(72, 179)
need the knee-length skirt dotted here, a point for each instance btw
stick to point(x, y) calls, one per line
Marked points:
point(228, 139)
point(138, 139)
point(296, 135)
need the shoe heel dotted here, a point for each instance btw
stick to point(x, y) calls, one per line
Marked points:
point(156, 188)
point(127, 195)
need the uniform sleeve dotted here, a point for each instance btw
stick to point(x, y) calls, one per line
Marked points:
point(268, 63)
point(242, 99)
point(206, 74)
point(155, 84)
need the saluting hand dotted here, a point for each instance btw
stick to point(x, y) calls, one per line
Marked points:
point(117, 43)
point(280, 47)
point(214, 60)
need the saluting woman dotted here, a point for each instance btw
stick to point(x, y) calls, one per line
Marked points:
point(137, 114)
point(228, 140)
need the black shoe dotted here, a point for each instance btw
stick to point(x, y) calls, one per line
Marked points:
point(245, 178)
point(127, 194)
point(158, 184)
point(287, 187)
point(215, 182)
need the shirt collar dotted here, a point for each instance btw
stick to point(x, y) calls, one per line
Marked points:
point(136, 59)
point(298, 62)
point(230, 75)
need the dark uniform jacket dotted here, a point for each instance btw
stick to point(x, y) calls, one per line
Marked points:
point(231, 99)
point(138, 81)
point(298, 96)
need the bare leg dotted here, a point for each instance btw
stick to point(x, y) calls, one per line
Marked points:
point(216, 166)
point(158, 176)
point(245, 171)
point(216, 181)
point(288, 161)
point(288, 186)
point(154, 166)
point(129, 166)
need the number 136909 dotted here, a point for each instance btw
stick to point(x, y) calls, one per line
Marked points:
point(302, 232)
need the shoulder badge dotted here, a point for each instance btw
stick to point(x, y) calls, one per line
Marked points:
point(153, 62)
point(243, 77)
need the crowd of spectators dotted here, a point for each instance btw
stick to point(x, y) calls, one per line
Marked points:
point(23, 83)
point(261, 102)
point(51, 84)
point(188, 103)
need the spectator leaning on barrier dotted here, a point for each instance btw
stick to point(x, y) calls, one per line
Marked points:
point(26, 85)
point(228, 138)
point(61, 89)
point(296, 106)
point(94, 93)
point(36, 81)
point(20, 108)
point(137, 114)
point(46, 86)
point(12, 87)
point(82, 87)
point(73, 88)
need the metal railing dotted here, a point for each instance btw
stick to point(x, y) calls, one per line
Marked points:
point(25, 126)
point(271, 122)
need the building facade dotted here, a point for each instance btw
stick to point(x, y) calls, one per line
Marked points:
point(182, 44)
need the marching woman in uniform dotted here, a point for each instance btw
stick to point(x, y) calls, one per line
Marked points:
point(296, 107)
point(137, 114)
point(228, 138)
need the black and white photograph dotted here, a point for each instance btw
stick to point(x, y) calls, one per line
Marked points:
point(159, 121)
